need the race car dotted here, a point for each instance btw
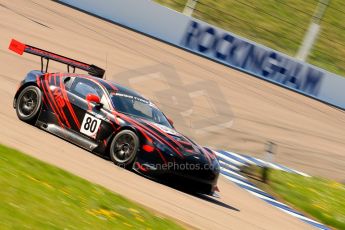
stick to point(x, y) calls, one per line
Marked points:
point(112, 121)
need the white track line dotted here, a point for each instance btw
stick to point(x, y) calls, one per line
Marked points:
point(239, 156)
point(233, 173)
point(229, 159)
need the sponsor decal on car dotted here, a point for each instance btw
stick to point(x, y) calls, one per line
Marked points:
point(165, 129)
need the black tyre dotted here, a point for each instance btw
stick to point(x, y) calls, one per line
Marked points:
point(28, 104)
point(123, 148)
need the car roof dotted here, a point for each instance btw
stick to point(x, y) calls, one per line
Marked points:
point(115, 87)
point(128, 91)
point(111, 86)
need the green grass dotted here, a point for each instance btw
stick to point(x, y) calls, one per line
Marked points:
point(319, 198)
point(35, 195)
point(278, 24)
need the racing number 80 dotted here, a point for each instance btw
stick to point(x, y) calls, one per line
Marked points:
point(90, 125)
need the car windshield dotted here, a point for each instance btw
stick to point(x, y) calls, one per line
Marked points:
point(138, 107)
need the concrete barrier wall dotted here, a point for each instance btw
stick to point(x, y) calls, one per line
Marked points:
point(219, 45)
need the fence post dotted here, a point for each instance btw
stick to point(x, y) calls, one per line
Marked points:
point(313, 31)
point(189, 7)
point(270, 151)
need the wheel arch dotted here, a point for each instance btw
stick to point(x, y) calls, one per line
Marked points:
point(26, 84)
point(128, 163)
point(126, 127)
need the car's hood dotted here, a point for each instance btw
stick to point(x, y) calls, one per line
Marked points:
point(172, 138)
point(165, 129)
point(166, 138)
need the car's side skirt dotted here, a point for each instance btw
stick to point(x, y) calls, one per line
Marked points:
point(68, 135)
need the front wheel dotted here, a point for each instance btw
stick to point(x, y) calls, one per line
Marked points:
point(28, 104)
point(123, 148)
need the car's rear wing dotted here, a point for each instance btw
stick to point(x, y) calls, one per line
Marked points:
point(21, 48)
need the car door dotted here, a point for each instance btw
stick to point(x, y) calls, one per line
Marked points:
point(88, 119)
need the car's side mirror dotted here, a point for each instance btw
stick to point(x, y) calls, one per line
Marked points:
point(95, 99)
point(171, 122)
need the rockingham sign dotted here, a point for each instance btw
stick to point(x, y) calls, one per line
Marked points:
point(219, 45)
point(237, 52)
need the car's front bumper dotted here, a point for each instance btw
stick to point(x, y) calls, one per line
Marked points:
point(191, 173)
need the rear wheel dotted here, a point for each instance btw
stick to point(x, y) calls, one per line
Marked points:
point(28, 104)
point(123, 148)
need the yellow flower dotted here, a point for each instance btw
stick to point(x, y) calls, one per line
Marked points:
point(291, 185)
point(103, 212)
point(313, 190)
point(64, 191)
point(46, 184)
point(32, 178)
point(133, 210)
point(336, 185)
point(139, 218)
point(127, 224)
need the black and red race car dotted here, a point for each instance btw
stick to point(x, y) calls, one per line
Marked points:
point(111, 120)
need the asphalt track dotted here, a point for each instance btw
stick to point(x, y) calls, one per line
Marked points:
point(198, 94)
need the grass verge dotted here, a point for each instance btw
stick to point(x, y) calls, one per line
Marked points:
point(319, 198)
point(36, 195)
